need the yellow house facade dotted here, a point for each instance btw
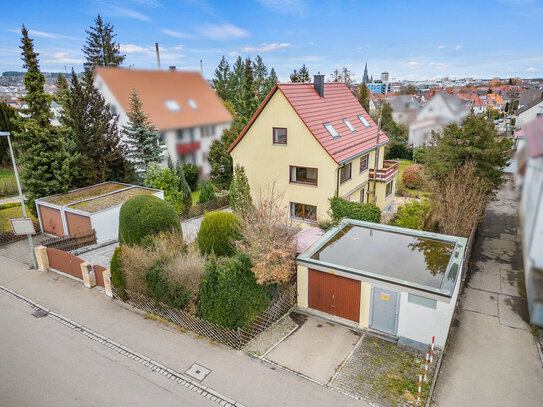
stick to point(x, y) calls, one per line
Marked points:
point(289, 145)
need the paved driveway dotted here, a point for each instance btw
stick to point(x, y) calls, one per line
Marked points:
point(492, 359)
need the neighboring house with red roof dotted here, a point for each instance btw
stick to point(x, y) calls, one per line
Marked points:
point(311, 142)
point(181, 105)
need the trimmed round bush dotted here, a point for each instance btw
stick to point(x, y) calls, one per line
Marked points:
point(413, 176)
point(367, 212)
point(218, 232)
point(117, 277)
point(146, 215)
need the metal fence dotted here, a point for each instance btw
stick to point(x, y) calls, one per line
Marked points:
point(8, 237)
point(235, 338)
point(73, 242)
point(198, 210)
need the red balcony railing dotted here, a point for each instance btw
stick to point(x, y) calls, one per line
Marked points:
point(188, 148)
point(390, 168)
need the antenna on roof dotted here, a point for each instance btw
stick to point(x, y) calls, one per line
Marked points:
point(201, 68)
point(157, 55)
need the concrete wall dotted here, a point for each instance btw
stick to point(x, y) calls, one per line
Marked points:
point(267, 164)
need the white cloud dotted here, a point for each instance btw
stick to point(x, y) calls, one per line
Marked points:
point(63, 58)
point(266, 47)
point(312, 43)
point(177, 34)
point(233, 53)
point(126, 12)
point(414, 64)
point(441, 46)
point(418, 65)
point(458, 47)
point(532, 69)
point(34, 33)
point(296, 7)
point(178, 47)
point(131, 48)
point(223, 32)
point(438, 65)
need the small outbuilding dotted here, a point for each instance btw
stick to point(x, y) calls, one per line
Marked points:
point(81, 210)
point(399, 282)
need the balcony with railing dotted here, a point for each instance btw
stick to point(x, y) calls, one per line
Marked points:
point(188, 148)
point(390, 169)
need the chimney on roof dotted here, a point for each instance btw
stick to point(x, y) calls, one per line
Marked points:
point(318, 84)
point(172, 67)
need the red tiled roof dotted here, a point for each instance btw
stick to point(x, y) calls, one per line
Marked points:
point(154, 88)
point(337, 104)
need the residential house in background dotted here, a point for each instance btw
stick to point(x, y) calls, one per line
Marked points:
point(182, 106)
point(441, 110)
point(313, 142)
point(405, 109)
point(530, 107)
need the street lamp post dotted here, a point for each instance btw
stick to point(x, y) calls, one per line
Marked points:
point(7, 134)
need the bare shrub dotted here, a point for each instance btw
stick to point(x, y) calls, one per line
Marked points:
point(413, 176)
point(187, 269)
point(460, 200)
point(268, 238)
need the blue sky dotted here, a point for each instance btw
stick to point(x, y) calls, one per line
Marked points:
point(410, 39)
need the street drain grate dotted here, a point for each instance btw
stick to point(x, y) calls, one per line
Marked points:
point(40, 313)
point(198, 372)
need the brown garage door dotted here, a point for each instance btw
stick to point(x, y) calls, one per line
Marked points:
point(334, 295)
point(78, 224)
point(51, 221)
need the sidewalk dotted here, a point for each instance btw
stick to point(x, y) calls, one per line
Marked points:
point(233, 373)
point(492, 359)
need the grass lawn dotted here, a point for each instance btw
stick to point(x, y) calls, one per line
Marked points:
point(412, 192)
point(11, 213)
point(196, 196)
point(8, 186)
point(7, 174)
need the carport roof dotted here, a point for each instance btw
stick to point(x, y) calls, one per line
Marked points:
point(421, 260)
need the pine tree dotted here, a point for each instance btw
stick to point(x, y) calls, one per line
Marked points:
point(235, 79)
point(184, 186)
point(62, 88)
point(96, 134)
point(42, 155)
point(142, 137)
point(219, 159)
point(336, 76)
point(364, 96)
point(248, 97)
point(100, 48)
point(295, 76)
point(270, 82)
point(303, 74)
point(7, 117)
point(240, 192)
point(261, 75)
point(220, 82)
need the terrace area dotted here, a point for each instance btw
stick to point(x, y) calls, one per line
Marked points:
point(390, 168)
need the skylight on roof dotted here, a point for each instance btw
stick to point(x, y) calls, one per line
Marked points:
point(192, 104)
point(349, 125)
point(331, 130)
point(364, 121)
point(172, 106)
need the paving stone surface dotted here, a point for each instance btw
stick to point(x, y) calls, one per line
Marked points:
point(384, 374)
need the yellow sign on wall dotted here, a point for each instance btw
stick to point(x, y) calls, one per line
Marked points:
point(385, 297)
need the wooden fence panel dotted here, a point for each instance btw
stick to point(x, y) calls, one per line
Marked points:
point(198, 210)
point(8, 237)
point(68, 243)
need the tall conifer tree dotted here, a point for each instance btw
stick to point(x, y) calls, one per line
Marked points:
point(220, 82)
point(100, 48)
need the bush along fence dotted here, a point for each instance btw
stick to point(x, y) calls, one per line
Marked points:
point(71, 242)
point(8, 237)
point(90, 274)
point(198, 210)
point(235, 338)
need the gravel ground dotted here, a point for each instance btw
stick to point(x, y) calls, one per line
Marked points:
point(271, 336)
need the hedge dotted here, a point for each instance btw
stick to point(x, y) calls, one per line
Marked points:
point(354, 210)
point(229, 294)
point(146, 215)
point(218, 233)
point(117, 277)
point(160, 289)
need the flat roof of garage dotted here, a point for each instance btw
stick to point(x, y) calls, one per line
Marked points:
point(413, 258)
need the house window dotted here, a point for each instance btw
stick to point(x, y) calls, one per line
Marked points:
point(303, 175)
point(349, 125)
point(279, 135)
point(331, 130)
point(364, 163)
point(362, 195)
point(364, 121)
point(388, 188)
point(303, 212)
point(425, 302)
point(345, 173)
point(180, 134)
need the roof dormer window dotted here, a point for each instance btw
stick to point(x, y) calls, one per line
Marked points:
point(192, 104)
point(349, 125)
point(172, 106)
point(331, 130)
point(364, 121)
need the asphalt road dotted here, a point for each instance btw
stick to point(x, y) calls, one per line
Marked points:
point(44, 363)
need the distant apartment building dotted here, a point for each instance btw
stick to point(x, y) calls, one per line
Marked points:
point(182, 106)
point(405, 109)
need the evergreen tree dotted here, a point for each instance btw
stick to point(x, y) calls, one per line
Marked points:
point(294, 76)
point(219, 159)
point(62, 88)
point(207, 193)
point(96, 134)
point(184, 186)
point(235, 79)
point(100, 48)
point(8, 115)
point(364, 97)
point(44, 160)
point(261, 76)
point(248, 97)
point(336, 76)
point(220, 82)
point(301, 76)
point(142, 137)
point(270, 83)
point(240, 192)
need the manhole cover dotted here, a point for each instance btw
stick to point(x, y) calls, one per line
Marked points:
point(40, 313)
point(198, 372)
